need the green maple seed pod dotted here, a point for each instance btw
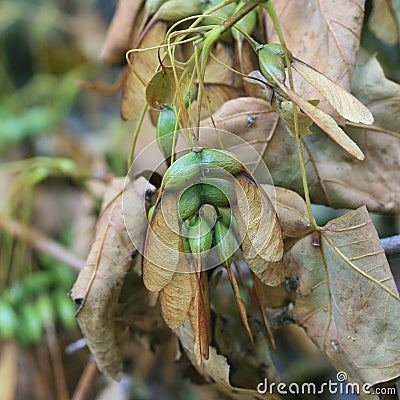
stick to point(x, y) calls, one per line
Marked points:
point(229, 220)
point(174, 10)
point(224, 242)
point(200, 235)
point(247, 23)
point(271, 66)
point(189, 202)
point(221, 159)
point(182, 172)
point(277, 49)
point(165, 130)
point(151, 6)
point(185, 237)
point(8, 321)
point(217, 192)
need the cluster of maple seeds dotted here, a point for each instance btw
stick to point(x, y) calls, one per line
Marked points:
point(180, 237)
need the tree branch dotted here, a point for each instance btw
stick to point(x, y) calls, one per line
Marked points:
point(41, 242)
point(391, 245)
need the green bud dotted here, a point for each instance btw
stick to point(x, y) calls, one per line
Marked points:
point(189, 202)
point(271, 66)
point(200, 235)
point(165, 130)
point(185, 237)
point(277, 49)
point(8, 321)
point(222, 159)
point(224, 242)
point(182, 172)
point(229, 220)
point(217, 192)
point(247, 23)
point(174, 10)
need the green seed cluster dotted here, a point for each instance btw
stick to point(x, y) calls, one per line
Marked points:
point(40, 300)
point(212, 172)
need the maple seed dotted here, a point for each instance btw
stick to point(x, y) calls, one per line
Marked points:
point(200, 235)
point(224, 242)
point(221, 159)
point(272, 66)
point(217, 192)
point(189, 202)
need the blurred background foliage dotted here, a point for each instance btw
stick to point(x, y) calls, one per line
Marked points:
point(46, 48)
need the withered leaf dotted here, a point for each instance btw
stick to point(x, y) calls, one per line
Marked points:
point(119, 33)
point(99, 283)
point(259, 229)
point(161, 252)
point(291, 210)
point(327, 124)
point(347, 299)
point(325, 35)
point(217, 369)
point(176, 297)
point(161, 88)
point(340, 99)
point(250, 118)
point(384, 20)
point(145, 64)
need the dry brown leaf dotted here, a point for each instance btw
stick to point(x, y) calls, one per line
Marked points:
point(291, 210)
point(340, 99)
point(250, 118)
point(325, 35)
point(163, 241)
point(326, 123)
point(119, 33)
point(216, 369)
point(176, 297)
point(145, 64)
point(259, 228)
point(99, 283)
point(347, 300)
point(384, 20)
point(336, 180)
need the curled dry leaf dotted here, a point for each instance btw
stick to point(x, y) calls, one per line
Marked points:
point(347, 300)
point(216, 369)
point(176, 297)
point(291, 210)
point(162, 245)
point(340, 99)
point(250, 118)
point(384, 20)
point(119, 33)
point(325, 35)
point(144, 63)
point(259, 229)
point(99, 283)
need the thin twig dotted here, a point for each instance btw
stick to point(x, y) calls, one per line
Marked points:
point(41, 242)
point(391, 245)
point(83, 388)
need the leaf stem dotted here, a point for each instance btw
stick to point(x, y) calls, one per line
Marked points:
point(136, 134)
point(275, 20)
